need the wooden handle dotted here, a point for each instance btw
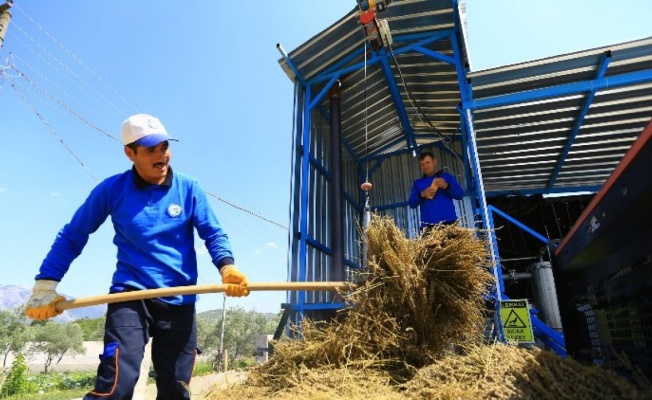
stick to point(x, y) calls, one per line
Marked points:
point(195, 289)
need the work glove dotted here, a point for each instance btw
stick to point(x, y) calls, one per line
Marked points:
point(42, 304)
point(236, 282)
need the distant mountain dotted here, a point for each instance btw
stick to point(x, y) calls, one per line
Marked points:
point(12, 297)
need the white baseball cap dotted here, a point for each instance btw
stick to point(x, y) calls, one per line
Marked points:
point(144, 130)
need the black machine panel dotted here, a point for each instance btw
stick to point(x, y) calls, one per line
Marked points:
point(603, 267)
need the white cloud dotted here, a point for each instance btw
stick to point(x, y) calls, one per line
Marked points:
point(54, 194)
point(258, 251)
point(271, 245)
point(2, 190)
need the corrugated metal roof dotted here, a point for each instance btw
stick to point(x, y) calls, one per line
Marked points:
point(432, 83)
point(528, 144)
point(556, 124)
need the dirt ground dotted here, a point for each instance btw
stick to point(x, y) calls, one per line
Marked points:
point(201, 384)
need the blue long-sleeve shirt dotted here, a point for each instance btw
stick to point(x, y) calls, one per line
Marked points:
point(153, 233)
point(441, 207)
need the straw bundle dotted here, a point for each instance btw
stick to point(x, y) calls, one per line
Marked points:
point(420, 303)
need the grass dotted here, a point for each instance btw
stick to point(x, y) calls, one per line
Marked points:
point(55, 395)
point(201, 368)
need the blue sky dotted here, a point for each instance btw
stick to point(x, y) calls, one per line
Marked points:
point(209, 71)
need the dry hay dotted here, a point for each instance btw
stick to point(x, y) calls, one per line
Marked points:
point(419, 300)
point(483, 372)
point(508, 372)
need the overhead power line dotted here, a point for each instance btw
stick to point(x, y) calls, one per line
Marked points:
point(50, 128)
point(64, 48)
point(62, 105)
point(245, 210)
point(70, 71)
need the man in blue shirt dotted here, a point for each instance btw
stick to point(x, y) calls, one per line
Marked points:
point(154, 212)
point(434, 192)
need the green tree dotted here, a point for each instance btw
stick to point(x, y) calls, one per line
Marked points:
point(240, 332)
point(92, 328)
point(205, 340)
point(14, 333)
point(56, 340)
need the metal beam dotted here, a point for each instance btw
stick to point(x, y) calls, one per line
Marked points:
point(614, 81)
point(434, 54)
point(395, 93)
point(323, 91)
point(519, 224)
point(545, 190)
point(579, 121)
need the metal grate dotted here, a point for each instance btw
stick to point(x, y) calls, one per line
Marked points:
point(619, 314)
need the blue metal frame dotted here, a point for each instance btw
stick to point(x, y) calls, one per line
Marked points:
point(549, 336)
point(470, 154)
point(471, 163)
point(331, 76)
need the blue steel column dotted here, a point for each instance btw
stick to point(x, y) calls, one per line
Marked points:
point(295, 205)
point(336, 213)
point(309, 104)
point(465, 94)
point(467, 119)
point(304, 180)
point(305, 187)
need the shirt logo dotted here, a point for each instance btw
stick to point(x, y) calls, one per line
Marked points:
point(174, 210)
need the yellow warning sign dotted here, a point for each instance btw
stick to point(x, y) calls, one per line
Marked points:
point(515, 317)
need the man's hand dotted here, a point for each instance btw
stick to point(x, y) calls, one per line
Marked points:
point(236, 282)
point(429, 192)
point(42, 304)
point(440, 183)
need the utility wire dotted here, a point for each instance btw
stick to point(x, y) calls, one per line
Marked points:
point(75, 58)
point(46, 102)
point(62, 104)
point(91, 88)
point(228, 203)
point(14, 56)
point(50, 128)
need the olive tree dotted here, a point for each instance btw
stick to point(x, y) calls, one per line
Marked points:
point(56, 340)
point(14, 333)
point(240, 330)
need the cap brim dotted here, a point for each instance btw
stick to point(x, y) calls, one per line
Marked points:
point(153, 139)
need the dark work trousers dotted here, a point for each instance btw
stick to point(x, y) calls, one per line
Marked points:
point(129, 326)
